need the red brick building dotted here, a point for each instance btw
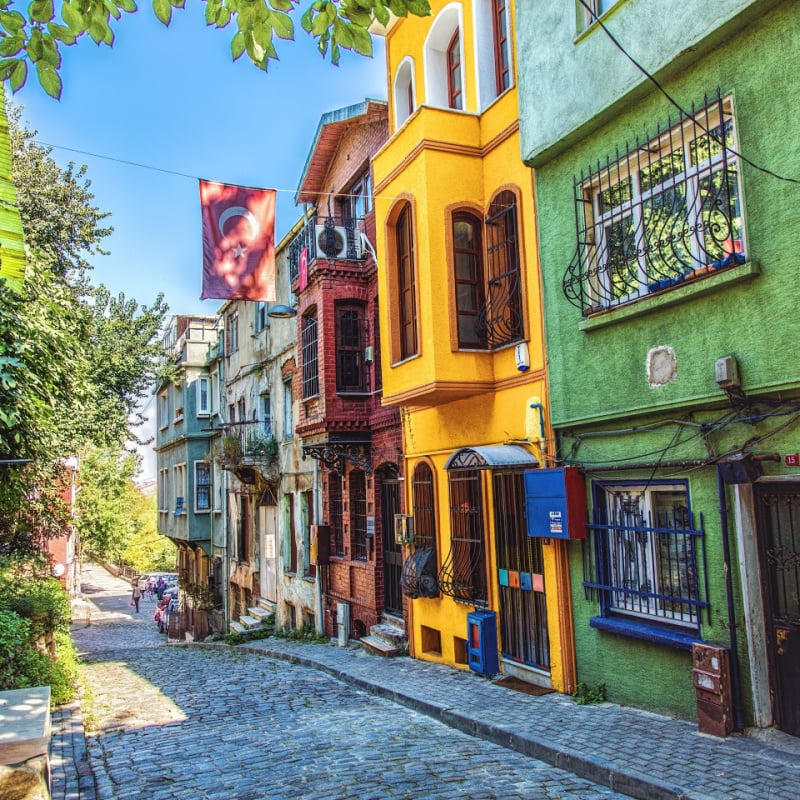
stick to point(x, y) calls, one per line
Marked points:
point(354, 440)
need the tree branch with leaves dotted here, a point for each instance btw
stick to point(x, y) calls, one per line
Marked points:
point(36, 39)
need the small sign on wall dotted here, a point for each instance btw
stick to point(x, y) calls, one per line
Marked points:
point(370, 526)
point(792, 460)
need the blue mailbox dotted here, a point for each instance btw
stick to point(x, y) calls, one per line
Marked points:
point(482, 642)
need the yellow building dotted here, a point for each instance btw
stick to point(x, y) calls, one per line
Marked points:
point(462, 343)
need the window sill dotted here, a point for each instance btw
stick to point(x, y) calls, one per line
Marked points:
point(646, 631)
point(679, 293)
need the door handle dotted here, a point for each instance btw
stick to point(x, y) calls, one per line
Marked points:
point(781, 635)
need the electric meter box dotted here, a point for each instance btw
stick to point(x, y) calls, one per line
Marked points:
point(555, 503)
point(482, 642)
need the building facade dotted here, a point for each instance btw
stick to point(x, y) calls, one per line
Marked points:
point(462, 345)
point(666, 189)
point(190, 491)
point(353, 442)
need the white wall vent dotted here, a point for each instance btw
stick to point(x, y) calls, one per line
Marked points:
point(343, 623)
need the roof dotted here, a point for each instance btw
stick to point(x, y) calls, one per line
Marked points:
point(332, 127)
point(501, 455)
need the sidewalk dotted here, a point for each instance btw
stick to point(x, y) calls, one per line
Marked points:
point(638, 753)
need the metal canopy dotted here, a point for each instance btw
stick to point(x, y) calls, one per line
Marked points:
point(491, 457)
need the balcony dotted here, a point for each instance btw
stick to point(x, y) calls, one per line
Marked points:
point(246, 448)
point(333, 238)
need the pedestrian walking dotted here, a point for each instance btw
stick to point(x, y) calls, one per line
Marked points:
point(136, 593)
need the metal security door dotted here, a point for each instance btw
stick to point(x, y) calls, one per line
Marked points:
point(778, 515)
point(392, 553)
point(520, 567)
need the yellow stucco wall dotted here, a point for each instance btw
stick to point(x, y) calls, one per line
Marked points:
point(440, 159)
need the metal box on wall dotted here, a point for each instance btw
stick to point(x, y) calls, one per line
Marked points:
point(482, 642)
point(712, 682)
point(555, 503)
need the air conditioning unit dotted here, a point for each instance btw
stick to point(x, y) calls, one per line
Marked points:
point(332, 243)
point(343, 623)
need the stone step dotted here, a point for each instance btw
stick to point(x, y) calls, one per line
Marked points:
point(391, 636)
point(260, 613)
point(375, 646)
point(267, 605)
point(237, 627)
point(395, 620)
point(249, 622)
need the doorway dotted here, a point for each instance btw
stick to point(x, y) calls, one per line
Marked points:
point(520, 566)
point(778, 528)
point(392, 550)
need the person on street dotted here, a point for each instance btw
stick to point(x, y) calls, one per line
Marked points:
point(137, 593)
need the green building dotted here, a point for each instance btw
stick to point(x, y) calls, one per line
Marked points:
point(664, 138)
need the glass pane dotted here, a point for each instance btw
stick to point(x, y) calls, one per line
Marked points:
point(467, 335)
point(616, 195)
point(661, 170)
point(466, 267)
point(466, 297)
point(622, 267)
point(666, 233)
point(463, 235)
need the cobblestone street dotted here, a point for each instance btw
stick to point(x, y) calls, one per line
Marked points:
point(168, 721)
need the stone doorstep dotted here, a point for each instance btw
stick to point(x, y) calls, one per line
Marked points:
point(249, 622)
point(394, 621)
point(391, 636)
point(237, 627)
point(376, 646)
point(260, 613)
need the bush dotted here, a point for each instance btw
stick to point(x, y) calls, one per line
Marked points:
point(40, 600)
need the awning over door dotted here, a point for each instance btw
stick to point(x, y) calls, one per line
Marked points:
point(491, 457)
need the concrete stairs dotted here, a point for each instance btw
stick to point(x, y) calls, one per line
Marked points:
point(388, 638)
point(255, 619)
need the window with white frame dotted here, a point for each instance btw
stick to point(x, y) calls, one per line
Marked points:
point(164, 498)
point(589, 10)
point(202, 486)
point(203, 396)
point(666, 211)
point(288, 420)
point(261, 321)
point(444, 60)
point(644, 552)
point(266, 415)
point(179, 487)
point(308, 349)
point(232, 332)
point(404, 91)
point(163, 409)
point(493, 49)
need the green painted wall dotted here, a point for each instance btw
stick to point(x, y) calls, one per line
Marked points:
point(597, 371)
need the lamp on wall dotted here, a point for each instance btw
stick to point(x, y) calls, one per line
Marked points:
point(281, 311)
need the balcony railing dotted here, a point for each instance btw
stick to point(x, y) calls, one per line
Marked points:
point(247, 443)
point(334, 238)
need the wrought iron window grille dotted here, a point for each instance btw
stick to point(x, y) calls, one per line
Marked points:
point(647, 567)
point(658, 213)
point(462, 575)
point(309, 347)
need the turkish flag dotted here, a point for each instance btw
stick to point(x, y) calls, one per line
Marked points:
point(238, 242)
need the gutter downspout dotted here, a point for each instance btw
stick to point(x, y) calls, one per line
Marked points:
point(736, 685)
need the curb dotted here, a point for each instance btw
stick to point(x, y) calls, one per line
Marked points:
point(604, 773)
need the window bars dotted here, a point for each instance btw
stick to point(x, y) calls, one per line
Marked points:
point(463, 572)
point(660, 212)
point(645, 563)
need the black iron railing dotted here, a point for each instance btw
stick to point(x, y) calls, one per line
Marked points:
point(659, 212)
point(247, 440)
point(330, 237)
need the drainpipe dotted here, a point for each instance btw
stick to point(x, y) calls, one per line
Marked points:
point(317, 514)
point(736, 687)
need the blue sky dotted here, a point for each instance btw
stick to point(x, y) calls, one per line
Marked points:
point(172, 99)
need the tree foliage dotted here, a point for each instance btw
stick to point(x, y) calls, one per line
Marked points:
point(75, 360)
point(34, 40)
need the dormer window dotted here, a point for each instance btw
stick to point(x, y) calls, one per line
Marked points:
point(444, 77)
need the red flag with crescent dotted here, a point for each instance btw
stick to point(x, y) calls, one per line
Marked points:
point(238, 242)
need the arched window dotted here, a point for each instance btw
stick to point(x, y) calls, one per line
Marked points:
point(308, 337)
point(444, 60)
point(404, 91)
point(468, 279)
point(504, 320)
point(406, 284)
point(422, 491)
